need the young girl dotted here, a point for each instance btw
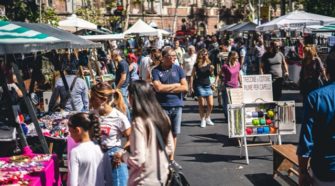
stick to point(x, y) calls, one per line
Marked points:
point(109, 104)
point(87, 157)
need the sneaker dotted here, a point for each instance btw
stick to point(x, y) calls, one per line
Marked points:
point(203, 123)
point(175, 165)
point(209, 121)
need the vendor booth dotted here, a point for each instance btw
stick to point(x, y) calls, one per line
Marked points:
point(253, 113)
point(295, 20)
point(25, 38)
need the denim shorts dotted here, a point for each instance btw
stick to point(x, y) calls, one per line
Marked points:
point(119, 175)
point(174, 114)
point(203, 90)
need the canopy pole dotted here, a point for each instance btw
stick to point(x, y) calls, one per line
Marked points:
point(30, 108)
point(12, 115)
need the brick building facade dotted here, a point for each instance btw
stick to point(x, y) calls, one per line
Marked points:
point(201, 15)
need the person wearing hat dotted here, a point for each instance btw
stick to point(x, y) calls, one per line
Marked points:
point(78, 90)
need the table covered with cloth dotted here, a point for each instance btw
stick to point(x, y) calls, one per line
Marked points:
point(32, 170)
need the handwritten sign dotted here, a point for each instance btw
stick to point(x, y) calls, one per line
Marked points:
point(257, 87)
point(235, 95)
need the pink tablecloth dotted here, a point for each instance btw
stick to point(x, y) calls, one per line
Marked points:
point(48, 177)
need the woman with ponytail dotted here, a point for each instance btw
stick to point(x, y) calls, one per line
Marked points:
point(146, 157)
point(86, 168)
point(114, 124)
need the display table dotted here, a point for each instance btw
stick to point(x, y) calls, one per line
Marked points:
point(48, 175)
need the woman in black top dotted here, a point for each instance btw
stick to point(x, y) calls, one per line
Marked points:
point(201, 74)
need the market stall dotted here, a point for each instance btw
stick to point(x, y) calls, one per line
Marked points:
point(33, 170)
point(142, 29)
point(295, 20)
point(253, 113)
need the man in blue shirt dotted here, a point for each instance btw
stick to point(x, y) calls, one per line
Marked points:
point(122, 76)
point(169, 81)
point(317, 137)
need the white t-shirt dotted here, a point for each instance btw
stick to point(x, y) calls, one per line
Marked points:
point(189, 62)
point(87, 165)
point(112, 127)
point(145, 67)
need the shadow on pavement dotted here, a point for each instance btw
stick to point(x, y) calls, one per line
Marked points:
point(262, 179)
point(217, 121)
point(211, 158)
point(215, 138)
point(194, 109)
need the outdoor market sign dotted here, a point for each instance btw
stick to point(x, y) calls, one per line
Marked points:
point(257, 88)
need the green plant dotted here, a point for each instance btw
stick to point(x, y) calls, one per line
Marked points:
point(49, 16)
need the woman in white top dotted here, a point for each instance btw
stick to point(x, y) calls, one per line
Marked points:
point(86, 158)
point(114, 125)
point(189, 59)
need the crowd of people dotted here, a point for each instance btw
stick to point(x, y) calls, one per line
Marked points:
point(117, 122)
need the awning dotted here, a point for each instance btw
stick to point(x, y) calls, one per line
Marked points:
point(141, 28)
point(295, 20)
point(103, 37)
point(241, 27)
point(225, 27)
point(75, 41)
point(15, 38)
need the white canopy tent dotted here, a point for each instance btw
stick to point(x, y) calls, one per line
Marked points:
point(141, 28)
point(295, 20)
point(163, 32)
point(74, 23)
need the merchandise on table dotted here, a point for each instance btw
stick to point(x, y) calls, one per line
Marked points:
point(54, 125)
point(16, 168)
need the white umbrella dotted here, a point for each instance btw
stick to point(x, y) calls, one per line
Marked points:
point(74, 23)
point(141, 28)
point(295, 20)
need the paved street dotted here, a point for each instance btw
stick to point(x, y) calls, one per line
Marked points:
point(210, 158)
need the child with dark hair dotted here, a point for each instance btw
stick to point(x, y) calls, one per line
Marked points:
point(86, 168)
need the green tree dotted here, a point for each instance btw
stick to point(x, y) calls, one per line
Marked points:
point(323, 7)
point(21, 10)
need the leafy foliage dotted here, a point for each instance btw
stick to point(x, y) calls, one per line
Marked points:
point(21, 10)
point(324, 7)
point(49, 16)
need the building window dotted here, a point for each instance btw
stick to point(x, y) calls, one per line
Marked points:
point(211, 3)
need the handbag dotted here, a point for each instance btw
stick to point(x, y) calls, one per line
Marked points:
point(175, 177)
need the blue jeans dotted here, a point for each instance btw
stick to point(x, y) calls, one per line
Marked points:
point(119, 174)
point(174, 114)
point(124, 92)
point(225, 101)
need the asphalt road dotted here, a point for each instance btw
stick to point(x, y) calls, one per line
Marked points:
point(210, 158)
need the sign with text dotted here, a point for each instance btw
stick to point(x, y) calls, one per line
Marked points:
point(235, 95)
point(257, 88)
